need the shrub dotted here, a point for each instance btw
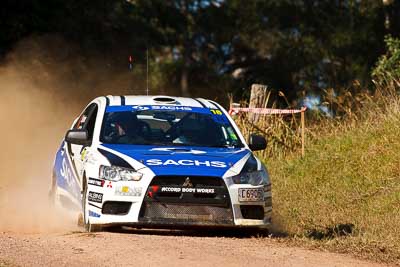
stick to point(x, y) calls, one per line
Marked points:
point(387, 70)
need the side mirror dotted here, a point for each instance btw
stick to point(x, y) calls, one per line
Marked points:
point(77, 137)
point(257, 142)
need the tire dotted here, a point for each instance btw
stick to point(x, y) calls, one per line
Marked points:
point(80, 220)
point(90, 228)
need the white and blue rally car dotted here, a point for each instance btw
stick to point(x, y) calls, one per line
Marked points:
point(160, 161)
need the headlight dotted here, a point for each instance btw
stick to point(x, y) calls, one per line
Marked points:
point(253, 178)
point(250, 174)
point(114, 173)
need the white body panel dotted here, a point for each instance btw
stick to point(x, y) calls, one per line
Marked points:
point(87, 161)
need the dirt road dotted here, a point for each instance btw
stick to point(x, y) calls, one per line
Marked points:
point(158, 248)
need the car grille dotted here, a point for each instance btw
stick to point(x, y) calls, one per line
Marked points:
point(187, 200)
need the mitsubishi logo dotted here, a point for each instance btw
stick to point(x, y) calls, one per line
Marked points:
point(187, 183)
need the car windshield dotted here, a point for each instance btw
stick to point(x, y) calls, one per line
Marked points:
point(168, 126)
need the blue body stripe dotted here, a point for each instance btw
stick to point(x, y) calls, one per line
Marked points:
point(180, 161)
point(219, 118)
point(65, 175)
point(123, 108)
point(114, 159)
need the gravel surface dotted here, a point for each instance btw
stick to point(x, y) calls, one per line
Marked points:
point(130, 247)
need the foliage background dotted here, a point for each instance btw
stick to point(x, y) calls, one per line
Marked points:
point(214, 47)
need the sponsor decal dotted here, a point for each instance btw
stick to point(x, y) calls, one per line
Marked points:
point(84, 154)
point(128, 191)
point(94, 214)
point(87, 156)
point(216, 111)
point(96, 182)
point(158, 108)
point(140, 108)
point(168, 189)
point(186, 162)
point(95, 197)
point(109, 185)
point(170, 108)
point(205, 190)
point(219, 117)
point(171, 189)
point(66, 173)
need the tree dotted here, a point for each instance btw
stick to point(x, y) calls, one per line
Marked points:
point(290, 45)
point(190, 41)
point(306, 45)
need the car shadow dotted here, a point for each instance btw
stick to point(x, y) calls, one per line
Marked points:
point(273, 232)
point(200, 232)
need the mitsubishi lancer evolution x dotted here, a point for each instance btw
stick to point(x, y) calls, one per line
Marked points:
point(161, 162)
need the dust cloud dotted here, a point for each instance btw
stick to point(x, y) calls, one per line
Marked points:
point(44, 84)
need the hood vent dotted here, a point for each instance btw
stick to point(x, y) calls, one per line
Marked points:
point(164, 100)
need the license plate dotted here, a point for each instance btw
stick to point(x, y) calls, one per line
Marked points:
point(247, 194)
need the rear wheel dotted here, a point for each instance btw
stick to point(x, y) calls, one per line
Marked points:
point(85, 220)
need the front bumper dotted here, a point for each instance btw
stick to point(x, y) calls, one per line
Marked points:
point(150, 208)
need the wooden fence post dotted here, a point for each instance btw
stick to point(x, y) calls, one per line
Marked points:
point(303, 124)
point(257, 98)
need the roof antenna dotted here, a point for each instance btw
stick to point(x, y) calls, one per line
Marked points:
point(147, 70)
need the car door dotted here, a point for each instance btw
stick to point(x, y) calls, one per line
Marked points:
point(87, 122)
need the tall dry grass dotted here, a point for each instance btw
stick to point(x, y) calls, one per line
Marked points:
point(344, 195)
point(281, 131)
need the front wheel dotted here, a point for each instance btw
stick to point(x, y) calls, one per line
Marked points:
point(85, 221)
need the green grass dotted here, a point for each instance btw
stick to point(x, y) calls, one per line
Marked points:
point(348, 182)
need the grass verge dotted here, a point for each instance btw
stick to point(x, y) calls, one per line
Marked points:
point(344, 195)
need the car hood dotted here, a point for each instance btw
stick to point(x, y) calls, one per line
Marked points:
point(182, 160)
